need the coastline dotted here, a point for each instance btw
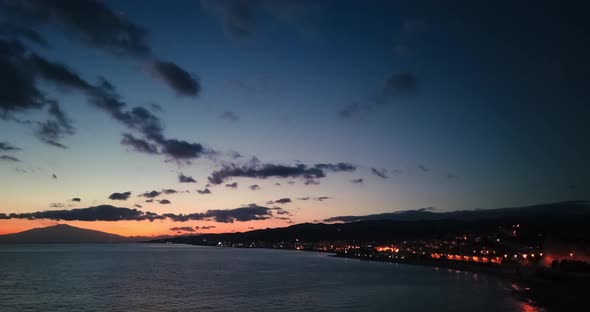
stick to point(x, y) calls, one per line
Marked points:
point(544, 291)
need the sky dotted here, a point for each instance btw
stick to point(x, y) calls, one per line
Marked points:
point(137, 118)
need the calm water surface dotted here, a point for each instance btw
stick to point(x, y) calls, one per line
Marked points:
point(139, 277)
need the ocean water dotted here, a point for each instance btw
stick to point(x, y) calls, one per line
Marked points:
point(146, 277)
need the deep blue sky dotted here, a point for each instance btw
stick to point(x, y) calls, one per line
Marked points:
point(465, 104)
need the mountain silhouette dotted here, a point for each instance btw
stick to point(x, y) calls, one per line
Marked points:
point(63, 233)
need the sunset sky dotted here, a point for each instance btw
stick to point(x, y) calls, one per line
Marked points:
point(341, 107)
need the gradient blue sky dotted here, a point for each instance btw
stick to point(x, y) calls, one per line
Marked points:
point(498, 115)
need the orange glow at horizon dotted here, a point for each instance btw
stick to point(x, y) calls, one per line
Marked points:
point(140, 228)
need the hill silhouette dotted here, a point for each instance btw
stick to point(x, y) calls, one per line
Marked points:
point(63, 233)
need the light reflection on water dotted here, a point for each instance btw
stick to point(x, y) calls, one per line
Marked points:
point(159, 278)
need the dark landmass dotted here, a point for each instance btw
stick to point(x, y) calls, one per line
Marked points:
point(63, 233)
point(515, 244)
point(565, 221)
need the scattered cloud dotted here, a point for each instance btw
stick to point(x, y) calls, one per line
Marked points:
point(282, 201)
point(76, 199)
point(138, 206)
point(239, 17)
point(93, 23)
point(322, 198)
point(111, 213)
point(380, 173)
point(54, 176)
point(169, 191)
point(396, 85)
point(242, 214)
point(183, 229)
point(229, 116)
point(232, 185)
point(9, 158)
point(423, 168)
point(56, 205)
point(139, 145)
point(254, 187)
point(204, 191)
point(255, 169)
point(6, 147)
point(164, 202)
point(149, 200)
point(186, 179)
point(357, 181)
point(97, 213)
point(120, 196)
point(177, 78)
point(151, 194)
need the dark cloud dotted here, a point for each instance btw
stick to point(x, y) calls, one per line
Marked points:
point(54, 176)
point(94, 24)
point(254, 187)
point(255, 169)
point(169, 191)
point(351, 110)
point(76, 199)
point(311, 182)
point(9, 158)
point(98, 213)
point(51, 133)
point(204, 191)
point(177, 78)
point(401, 84)
point(229, 116)
point(186, 179)
point(88, 21)
point(120, 196)
point(18, 31)
point(139, 145)
point(6, 147)
point(239, 17)
point(179, 149)
point(20, 70)
point(398, 84)
point(183, 229)
point(57, 74)
point(164, 202)
point(380, 173)
point(357, 181)
point(319, 198)
point(423, 168)
point(105, 97)
point(232, 185)
point(242, 214)
point(18, 91)
point(151, 194)
point(451, 176)
point(283, 201)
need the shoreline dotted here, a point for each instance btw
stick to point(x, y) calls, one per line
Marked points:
point(539, 293)
point(548, 292)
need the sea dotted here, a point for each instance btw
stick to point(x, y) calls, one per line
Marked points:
point(158, 278)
